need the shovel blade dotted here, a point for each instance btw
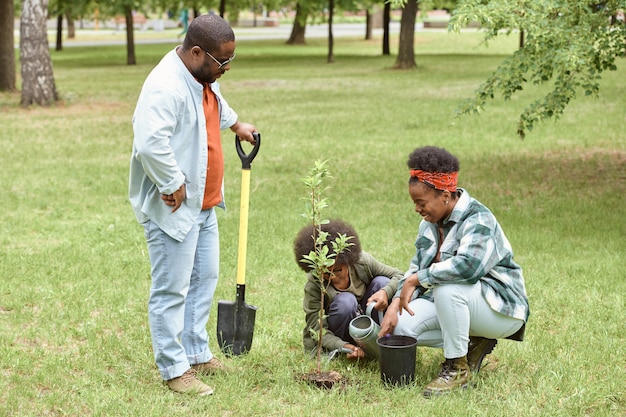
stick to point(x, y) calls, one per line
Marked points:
point(235, 327)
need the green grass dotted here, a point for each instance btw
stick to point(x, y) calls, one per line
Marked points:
point(74, 271)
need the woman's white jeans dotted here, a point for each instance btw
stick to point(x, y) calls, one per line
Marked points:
point(184, 278)
point(458, 311)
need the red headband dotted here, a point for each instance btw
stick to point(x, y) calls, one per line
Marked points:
point(444, 181)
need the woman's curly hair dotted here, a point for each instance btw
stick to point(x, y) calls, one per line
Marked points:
point(433, 159)
point(305, 243)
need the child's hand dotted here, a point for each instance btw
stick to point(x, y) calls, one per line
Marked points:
point(380, 298)
point(357, 352)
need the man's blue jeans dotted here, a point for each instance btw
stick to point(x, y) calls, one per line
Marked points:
point(184, 278)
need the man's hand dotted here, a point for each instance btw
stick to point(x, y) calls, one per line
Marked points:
point(176, 199)
point(244, 131)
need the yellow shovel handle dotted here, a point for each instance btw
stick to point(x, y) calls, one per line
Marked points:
point(243, 226)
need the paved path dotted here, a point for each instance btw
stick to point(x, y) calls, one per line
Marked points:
point(90, 37)
point(241, 33)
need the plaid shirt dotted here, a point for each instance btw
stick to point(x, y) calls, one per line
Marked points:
point(474, 249)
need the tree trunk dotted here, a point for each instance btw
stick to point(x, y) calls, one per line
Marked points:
point(7, 49)
point(71, 28)
point(299, 26)
point(368, 25)
point(222, 8)
point(59, 45)
point(331, 9)
point(386, 20)
point(130, 37)
point(406, 53)
point(37, 79)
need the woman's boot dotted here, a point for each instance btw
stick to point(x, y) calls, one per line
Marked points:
point(478, 348)
point(455, 373)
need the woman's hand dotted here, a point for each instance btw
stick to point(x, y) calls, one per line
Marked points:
point(408, 288)
point(380, 298)
point(391, 318)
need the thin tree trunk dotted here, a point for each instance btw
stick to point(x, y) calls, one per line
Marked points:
point(7, 49)
point(386, 20)
point(59, 44)
point(36, 66)
point(130, 37)
point(298, 28)
point(406, 53)
point(320, 321)
point(368, 25)
point(331, 9)
point(222, 8)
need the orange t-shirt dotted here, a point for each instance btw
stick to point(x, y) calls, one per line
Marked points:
point(215, 166)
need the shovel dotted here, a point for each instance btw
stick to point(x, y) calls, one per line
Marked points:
point(235, 320)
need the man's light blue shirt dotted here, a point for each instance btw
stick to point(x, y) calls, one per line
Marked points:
point(170, 145)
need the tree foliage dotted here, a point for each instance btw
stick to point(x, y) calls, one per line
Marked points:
point(568, 45)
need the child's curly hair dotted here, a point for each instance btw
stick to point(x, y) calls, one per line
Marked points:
point(305, 243)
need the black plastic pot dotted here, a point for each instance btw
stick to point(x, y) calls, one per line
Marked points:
point(397, 359)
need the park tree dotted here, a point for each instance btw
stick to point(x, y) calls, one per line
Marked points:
point(304, 9)
point(568, 44)
point(124, 8)
point(406, 51)
point(7, 49)
point(330, 10)
point(386, 22)
point(38, 85)
point(406, 43)
point(68, 10)
point(319, 9)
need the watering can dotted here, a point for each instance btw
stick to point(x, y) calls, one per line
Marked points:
point(364, 330)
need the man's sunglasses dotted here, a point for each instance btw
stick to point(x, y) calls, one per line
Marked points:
point(220, 64)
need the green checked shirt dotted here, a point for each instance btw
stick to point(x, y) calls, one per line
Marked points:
point(474, 249)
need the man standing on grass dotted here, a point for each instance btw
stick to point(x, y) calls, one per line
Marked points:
point(176, 181)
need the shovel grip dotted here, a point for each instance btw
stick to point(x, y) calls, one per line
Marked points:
point(246, 158)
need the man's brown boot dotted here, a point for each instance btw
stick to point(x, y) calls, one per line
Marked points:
point(188, 383)
point(455, 373)
point(211, 367)
point(478, 348)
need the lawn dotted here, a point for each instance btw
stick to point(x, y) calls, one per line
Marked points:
point(74, 336)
